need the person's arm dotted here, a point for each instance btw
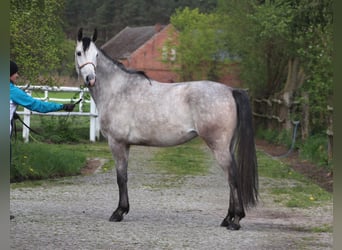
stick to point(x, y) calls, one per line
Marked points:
point(21, 98)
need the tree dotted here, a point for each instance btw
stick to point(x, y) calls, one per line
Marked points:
point(36, 36)
point(286, 50)
point(111, 16)
point(198, 44)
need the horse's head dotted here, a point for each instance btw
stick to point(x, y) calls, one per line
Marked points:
point(85, 57)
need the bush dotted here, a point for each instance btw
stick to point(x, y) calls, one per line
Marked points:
point(62, 129)
point(315, 149)
point(273, 136)
point(34, 161)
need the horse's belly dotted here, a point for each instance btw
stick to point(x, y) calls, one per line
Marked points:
point(162, 138)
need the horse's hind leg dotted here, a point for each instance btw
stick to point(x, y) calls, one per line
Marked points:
point(236, 210)
point(120, 153)
point(226, 160)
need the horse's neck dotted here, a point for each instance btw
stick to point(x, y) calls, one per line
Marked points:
point(105, 86)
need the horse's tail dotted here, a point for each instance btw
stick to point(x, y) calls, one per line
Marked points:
point(247, 179)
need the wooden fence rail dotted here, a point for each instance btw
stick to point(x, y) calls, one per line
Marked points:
point(269, 111)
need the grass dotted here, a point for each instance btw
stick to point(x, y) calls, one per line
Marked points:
point(186, 159)
point(36, 161)
point(41, 161)
point(326, 228)
point(289, 187)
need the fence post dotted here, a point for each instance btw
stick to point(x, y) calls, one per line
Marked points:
point(94, 131)
point(27, 115)
point(98, 126)
point(26, 131)
point(80, 105)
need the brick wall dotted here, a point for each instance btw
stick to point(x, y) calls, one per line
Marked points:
point(148, 58)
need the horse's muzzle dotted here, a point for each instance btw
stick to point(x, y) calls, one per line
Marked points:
point(90, 80)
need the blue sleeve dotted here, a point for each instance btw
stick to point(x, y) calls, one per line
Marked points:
point(21, 98)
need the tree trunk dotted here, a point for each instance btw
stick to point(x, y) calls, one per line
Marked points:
point(295, 78)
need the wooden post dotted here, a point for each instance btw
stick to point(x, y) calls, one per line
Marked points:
point(306, 116)
point(330, 133)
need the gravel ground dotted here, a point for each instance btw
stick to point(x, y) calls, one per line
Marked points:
point(166, 212)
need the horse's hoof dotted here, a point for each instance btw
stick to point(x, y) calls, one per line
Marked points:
point(116, 217)
point(224, 223)
point(233, 226)
point(118, 214)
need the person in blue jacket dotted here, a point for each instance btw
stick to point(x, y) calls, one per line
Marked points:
point(20, 97)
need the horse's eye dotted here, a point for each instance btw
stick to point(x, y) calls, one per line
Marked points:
point(79, 53)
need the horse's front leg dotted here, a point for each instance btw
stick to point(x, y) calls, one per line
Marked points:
point(120, 153)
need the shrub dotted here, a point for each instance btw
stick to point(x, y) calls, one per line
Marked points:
point(33, 161)
point(315, 149)
point(273, 136)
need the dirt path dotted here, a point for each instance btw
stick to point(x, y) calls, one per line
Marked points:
point(167, 212)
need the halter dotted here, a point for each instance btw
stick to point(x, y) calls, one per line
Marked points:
point(84, 64)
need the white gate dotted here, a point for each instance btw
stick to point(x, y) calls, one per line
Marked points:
point(94, 128)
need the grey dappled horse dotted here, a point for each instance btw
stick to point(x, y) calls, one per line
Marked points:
point(136, 110)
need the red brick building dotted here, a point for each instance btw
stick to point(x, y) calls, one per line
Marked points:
point(143, 48)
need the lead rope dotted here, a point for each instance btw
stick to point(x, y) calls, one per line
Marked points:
point(294, 135)
point(17, 117)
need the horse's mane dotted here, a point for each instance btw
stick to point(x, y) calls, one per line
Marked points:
point(123, 67)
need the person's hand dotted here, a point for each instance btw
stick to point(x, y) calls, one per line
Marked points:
point(69, 107)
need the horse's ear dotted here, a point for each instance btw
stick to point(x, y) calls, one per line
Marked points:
point(80, 34)
point(94, 35)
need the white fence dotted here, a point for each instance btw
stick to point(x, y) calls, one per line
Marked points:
point(94, 128)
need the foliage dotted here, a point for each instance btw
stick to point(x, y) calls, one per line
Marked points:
point(33, 161)
point(111, 16)
point(67, 59)
point(273, 136)
point(199, 44)
point(258, 34)
point(36, 37)
point(60, 129)
point(266, 35)
point(315, 149)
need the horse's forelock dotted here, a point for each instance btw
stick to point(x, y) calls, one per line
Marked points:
point(86, 43)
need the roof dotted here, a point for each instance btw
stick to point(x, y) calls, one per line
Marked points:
point(128, 40)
